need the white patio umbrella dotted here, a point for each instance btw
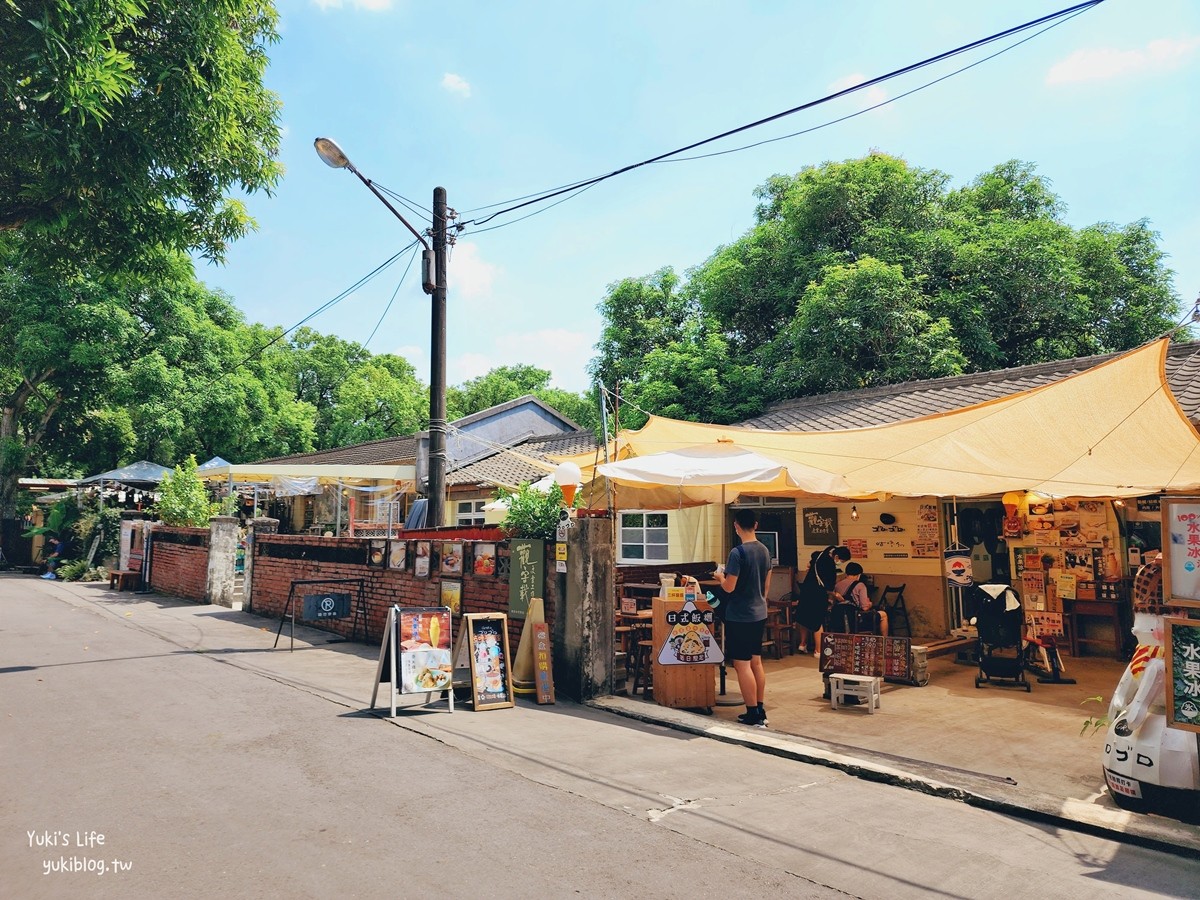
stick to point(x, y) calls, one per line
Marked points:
point(707, 473)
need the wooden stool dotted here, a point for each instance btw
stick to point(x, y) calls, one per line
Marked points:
point(864, 687)
point(642, 669)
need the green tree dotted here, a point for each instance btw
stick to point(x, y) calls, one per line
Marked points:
point(380, 397)
point(183, 498)
point(125, 124)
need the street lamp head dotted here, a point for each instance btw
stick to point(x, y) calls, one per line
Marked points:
point(331, 153)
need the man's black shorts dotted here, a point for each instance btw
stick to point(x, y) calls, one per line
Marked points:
point(743, 640)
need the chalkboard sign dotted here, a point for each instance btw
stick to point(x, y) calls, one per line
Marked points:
point(1182, 647)
point(318, 607)
point(526, 574)
point(484, 641)
point(867, 654)
point(820, 525)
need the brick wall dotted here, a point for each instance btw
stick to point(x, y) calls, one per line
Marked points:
point(382, 587)
point(180, 569)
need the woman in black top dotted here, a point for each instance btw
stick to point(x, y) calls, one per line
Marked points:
point(813, 601)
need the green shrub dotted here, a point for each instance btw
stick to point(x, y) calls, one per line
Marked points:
point(183, 498)
point(73, 570)
point(532, 514)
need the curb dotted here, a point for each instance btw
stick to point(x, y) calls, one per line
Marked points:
point(981, 791)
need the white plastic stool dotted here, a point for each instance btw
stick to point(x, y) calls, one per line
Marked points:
point(864, 687)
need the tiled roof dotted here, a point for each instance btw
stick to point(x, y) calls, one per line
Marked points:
point(913, 399)
point(513, 469)
point(385, 451)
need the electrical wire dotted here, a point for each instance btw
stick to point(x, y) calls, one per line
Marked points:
point(399, 284)
point(412, 205)
point(882, 103)
point(1069, 12)
point(254, 354)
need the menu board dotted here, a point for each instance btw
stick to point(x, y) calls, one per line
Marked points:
point(866, 654)
point(424, 640)
point(526, 574)
point(485, 642)
point(1181, 539)
point(820, 525)
point(1182, 645)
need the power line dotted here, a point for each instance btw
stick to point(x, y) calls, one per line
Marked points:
point(1069, 12)
point(399, 284)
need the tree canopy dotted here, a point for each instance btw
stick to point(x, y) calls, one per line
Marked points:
point(125, 124)
point(872, 271)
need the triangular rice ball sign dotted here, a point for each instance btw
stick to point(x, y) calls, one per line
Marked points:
point(690, 640)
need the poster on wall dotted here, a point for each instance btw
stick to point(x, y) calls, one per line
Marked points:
point(376, 552)
point(421, 559)
point(820, 526)
point(398, 554)
point(451, 592)
point(484, 562)
point(451, 558)
point(1033, 589)
point(958, 568)
point(1181, 570)
point(1182, 646)
point(925, 549)
point(857, 547)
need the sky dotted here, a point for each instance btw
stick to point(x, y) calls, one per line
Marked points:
point(495, 101)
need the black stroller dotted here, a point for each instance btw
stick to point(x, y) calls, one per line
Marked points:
point(1000, 623)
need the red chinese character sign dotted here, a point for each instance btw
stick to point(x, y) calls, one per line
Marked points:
point(1181, 550)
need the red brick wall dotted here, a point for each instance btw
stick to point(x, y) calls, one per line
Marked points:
point(382, 587)
point(179, 569)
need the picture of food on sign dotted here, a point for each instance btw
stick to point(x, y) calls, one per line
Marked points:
point(421, 560)
point(452, 556)
point(485, 559)
point(377, 552)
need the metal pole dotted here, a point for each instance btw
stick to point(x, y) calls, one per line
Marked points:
point(437, 367)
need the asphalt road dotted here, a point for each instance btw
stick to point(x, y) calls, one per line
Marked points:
point(148, 757)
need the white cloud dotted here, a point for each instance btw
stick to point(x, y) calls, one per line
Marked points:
point(563, 352)
point(469, 274)
point(1100, 63)
point(456, 84)
point(370, 5)
point(871, 96)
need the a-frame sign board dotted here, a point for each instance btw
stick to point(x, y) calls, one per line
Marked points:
point(426, 675)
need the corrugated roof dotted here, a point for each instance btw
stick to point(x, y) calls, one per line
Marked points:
point(512, 468)
point(913, 399)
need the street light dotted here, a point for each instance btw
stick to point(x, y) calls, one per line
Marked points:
point(433, 281)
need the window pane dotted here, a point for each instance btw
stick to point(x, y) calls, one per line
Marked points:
point(631, 535)
point(631, 551)
point(656, 551)
point(656, 520)
point(631, 520)
point(656, 535)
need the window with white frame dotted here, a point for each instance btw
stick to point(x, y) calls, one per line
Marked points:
point(470, 512)
point(643, 537)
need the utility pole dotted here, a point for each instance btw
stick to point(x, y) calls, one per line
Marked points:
point(436, 513)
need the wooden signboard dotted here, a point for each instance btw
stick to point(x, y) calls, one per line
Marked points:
point(1181, 551)
point(820, 526)
point(484, 646)
point(867, 654)
point(1182, 650)
point(681, 686)
point(526, 574)
point(543, 676)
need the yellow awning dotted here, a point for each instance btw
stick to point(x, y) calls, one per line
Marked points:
point(1114, 430)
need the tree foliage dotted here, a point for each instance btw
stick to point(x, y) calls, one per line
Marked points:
point(183, 498)
point(533, 513)
point(870, 272)
point(125, 124)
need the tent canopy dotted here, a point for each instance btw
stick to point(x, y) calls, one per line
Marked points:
point(325, 474)
point(141, 472)
point(212, 464)
point(712, 472)
point(1114, 430)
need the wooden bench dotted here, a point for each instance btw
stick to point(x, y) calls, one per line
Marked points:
point(119, 577)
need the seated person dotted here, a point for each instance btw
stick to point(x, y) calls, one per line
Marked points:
point(854, 591)
point(55, 546)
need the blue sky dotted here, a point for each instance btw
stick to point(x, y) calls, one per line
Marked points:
point(497, 100)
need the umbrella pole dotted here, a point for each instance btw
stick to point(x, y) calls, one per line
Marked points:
point(724, 698)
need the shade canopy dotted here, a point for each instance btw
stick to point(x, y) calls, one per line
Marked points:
point(138, 473)
point(1114, 430)
point(212, 464)
point(709, 473)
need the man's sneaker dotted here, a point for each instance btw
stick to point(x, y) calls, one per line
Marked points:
point(752, 718)
point(49, 575)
